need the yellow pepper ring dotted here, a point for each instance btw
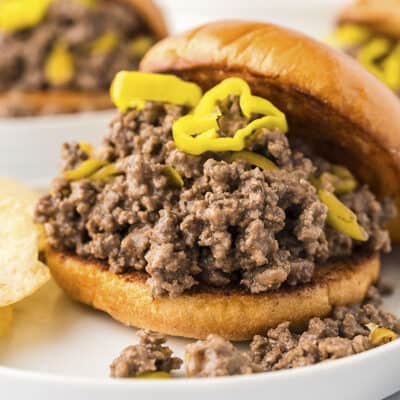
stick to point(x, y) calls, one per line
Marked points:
point(154, 375)
point(105, 43)
point(379, 335)
point(174, 178)
point(22, 14)
point(349, 35)
point(342, 184)
point(391, 69)
point(60, 65)
point(140, 45)
point(105, 172)
point(341, 218)
point(375, 49)
point(197, 133)
point(86, 148)
point(84, 170)
point(129, 87)
point(254, 159)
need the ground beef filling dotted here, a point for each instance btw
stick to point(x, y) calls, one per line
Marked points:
point(148, 356)
point(230, 224)
point(24, 53)
point(343, 334)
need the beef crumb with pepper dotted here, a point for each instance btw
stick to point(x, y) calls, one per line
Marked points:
point(148, 356)
point(229, 224)
point(346, 332)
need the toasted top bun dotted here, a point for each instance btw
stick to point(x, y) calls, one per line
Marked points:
point(329, 100)
point(233, 314)
point(383, 16)
point(68, 101)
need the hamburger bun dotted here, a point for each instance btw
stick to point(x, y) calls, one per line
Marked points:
point(353, 120)
point(382, 16)
point(68, 101)
point(233, 314)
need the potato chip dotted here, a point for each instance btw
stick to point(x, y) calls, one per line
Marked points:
point(20, 193)
point(21, 273)
point(6, 316)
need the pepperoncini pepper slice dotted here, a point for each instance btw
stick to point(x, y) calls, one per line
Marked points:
point(340, 178)
point(16, 15)
point(391, 68)
point(154, 375)
point(379, 335)
point(341, 185)
point(105, 43)
point(86, 148)
point(60, 65)
point(84, 170)
point(345, 182)
point(372, 51)
point(341, 218)
point(140, 45)
point(197, 133)
point(349, 35)
point(105, 172)
point(254, 159)
point(130, 89)
point(174, 178)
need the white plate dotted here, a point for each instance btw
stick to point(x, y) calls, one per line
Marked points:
point(30, 147)
point(61, 350)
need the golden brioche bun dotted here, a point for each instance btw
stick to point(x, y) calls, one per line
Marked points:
point(382, 16)
point(233, 314)
point(329, 100)
point(67, 101)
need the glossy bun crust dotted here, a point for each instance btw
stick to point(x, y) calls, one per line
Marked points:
point(67, 101)
point(382, 16)
point(330, 101)
point(233, 314)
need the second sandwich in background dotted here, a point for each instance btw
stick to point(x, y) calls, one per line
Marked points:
point(369, 30)
point(61, 56)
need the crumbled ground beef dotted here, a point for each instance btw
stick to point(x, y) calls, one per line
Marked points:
point(343, 334)
point(72, 155)
point(230, 223)
point(24, 53)
point(216, 357)
point(148, 356)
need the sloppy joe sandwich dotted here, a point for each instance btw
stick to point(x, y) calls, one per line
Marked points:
point(60, 56)
point(240, 185)
point(369, 30)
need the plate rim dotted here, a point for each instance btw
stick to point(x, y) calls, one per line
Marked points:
point(299, 372)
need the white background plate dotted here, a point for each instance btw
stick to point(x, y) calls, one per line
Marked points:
point(61, 350)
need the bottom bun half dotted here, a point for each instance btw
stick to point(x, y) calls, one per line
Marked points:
point(54, 102)
point(233, 314)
